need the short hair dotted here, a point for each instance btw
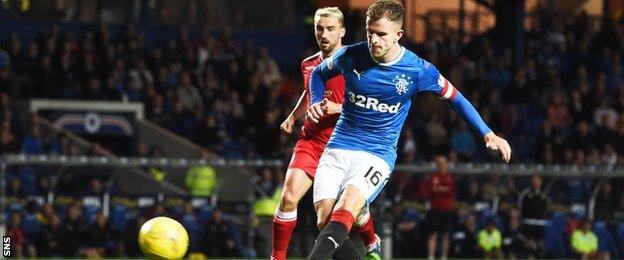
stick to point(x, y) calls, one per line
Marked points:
point(329, 12)
point(390, 9)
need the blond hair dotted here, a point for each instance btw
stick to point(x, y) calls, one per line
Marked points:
point(329, 12)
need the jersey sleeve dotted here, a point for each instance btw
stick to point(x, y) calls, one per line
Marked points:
point(328, 69)
point(430, 80)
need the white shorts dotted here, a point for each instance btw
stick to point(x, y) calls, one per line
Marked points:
point(338, 168)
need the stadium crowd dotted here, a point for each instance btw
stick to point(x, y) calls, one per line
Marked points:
point(565, 105)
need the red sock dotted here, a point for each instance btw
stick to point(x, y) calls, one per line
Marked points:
point(343, 216)
point(367, 232)
point(283, 226)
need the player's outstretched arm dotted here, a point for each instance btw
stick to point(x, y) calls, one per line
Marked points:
point(298, 111)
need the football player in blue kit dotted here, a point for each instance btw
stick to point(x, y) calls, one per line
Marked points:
point(381, 79)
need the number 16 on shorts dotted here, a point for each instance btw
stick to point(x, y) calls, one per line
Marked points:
point(373, 176)
point(6, 246)
point(375, 181)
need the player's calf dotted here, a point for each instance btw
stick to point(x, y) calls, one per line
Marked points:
point(324, 210)
point(296, 185)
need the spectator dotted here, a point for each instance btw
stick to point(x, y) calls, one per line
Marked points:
point(201, 180)
point(140, 77)
point(49, 240)
point(513, 239)
point(100, 238)
point(33, 143)
point(465, 240)
point(266, 183)
point(472, 194)
point(268, 68)
point(130, 245)
point(440, 217)
point(73, 231)
point(8, 141)
point(490, 241)
point(584, 241)
point(437, 135)
point(605, 203)
point(534, 206)
point(406, 233)
point(462, 141)
point(15, 188)
point(493, 188)
point(220, 240)
point(188, 94)
point(18, 236)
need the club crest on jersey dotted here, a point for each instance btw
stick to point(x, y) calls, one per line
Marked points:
point(401, 83)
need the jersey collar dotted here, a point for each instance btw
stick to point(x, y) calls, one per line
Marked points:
point(392, 62)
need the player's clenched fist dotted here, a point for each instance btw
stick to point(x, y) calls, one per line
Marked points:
point(287, 125)
point(330, 107)
point(495, 143)
point(315, 112)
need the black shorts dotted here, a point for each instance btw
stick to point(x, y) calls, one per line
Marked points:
point(439, 221)
point(534, 231)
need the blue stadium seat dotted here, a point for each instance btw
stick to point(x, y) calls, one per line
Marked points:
point(89, 213)
point(605, 239)
point(204, 214)
point(620, 234)
point(489, 215)
point(28, 178)
point(14, 208)
point(31, 225)
point(236, 235)
point(195, 231)
point(118, 217)
point(412, 214)
point(555, 243)
point(176, 211)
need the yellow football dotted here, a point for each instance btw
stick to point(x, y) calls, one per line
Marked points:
point(163, 238)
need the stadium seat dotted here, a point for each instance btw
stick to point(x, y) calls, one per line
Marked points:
point(31, 225)
point(118, 217)
point(487, 215)
point(555, 243)
point(620, 234)
point(606, 242)
point(28, 178)
point(195, 231)
point(89, 213)
point(204, 214)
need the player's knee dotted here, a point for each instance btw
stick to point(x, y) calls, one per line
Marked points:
point(352, 203)
point(288, 202)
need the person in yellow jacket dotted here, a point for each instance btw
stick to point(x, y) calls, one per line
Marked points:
point(490, 241)
point(201, 181)
point(584, 241)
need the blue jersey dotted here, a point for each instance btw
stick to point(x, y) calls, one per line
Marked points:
point(378, 97)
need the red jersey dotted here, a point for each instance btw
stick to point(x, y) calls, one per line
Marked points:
point(441, 191)
point(334, 91)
